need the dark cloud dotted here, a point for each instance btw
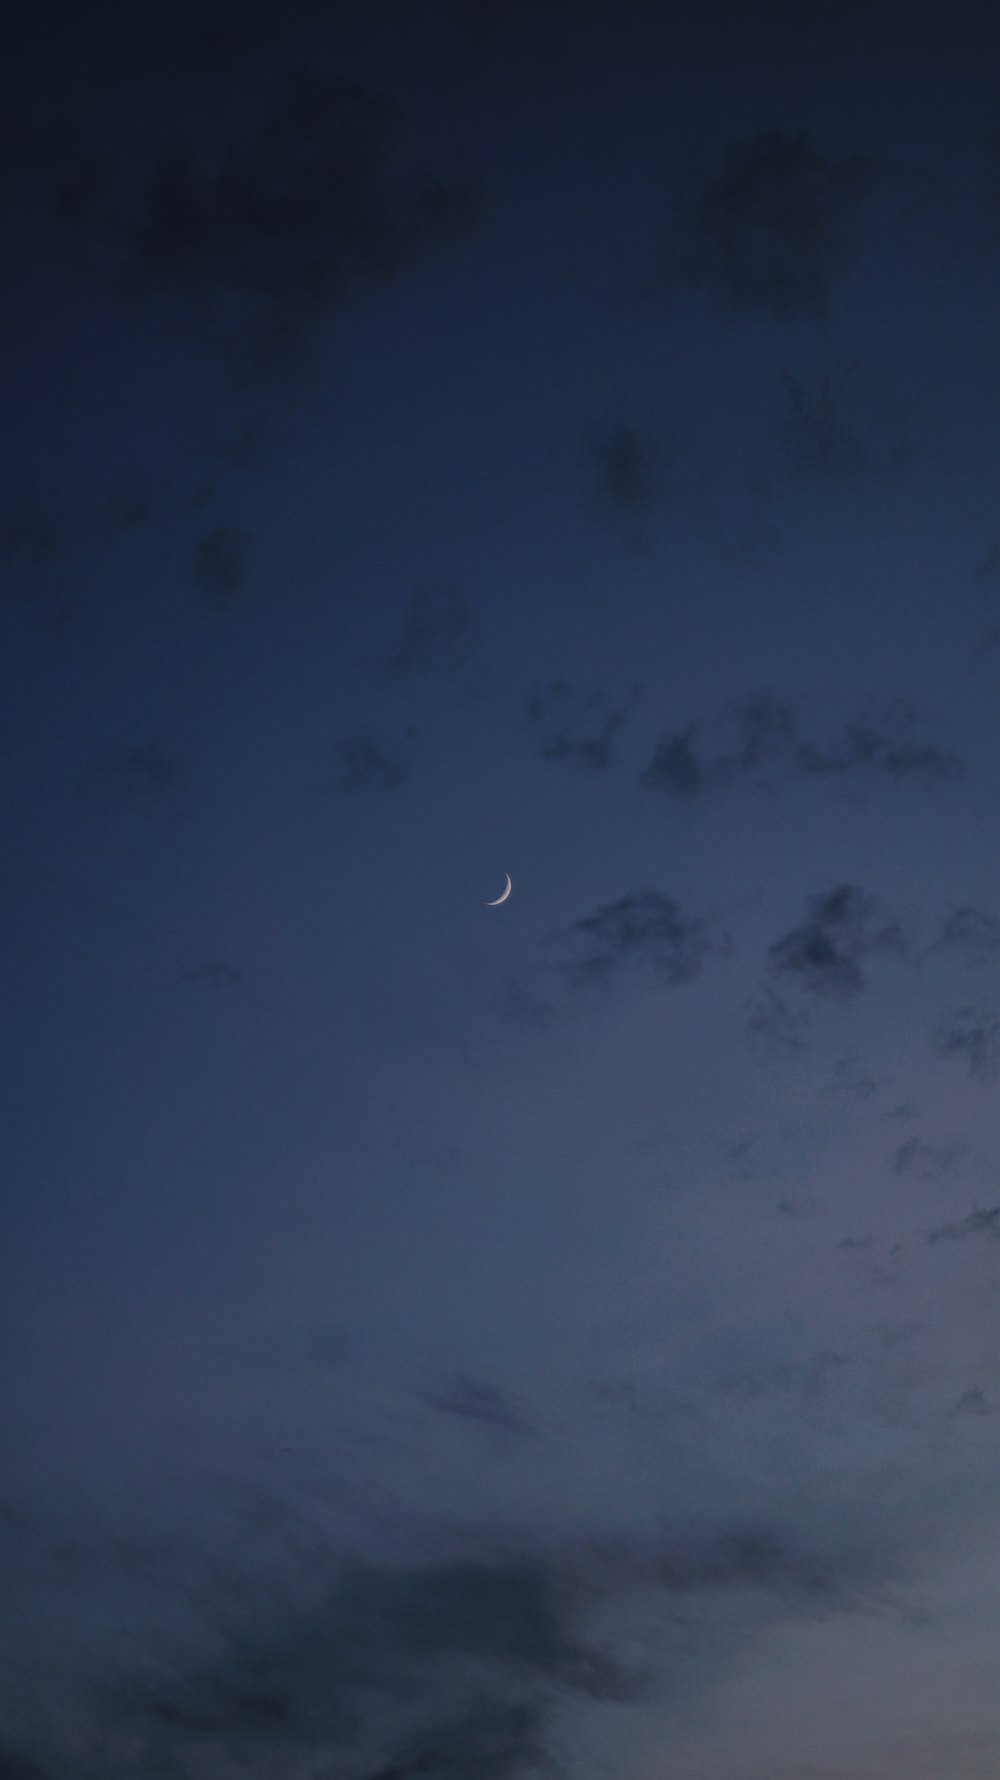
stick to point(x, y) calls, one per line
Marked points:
point(469, 1399)
point(575, 723)
point(364, 764)
point(760, 740)
point(978, 1223)
point(989, 567)
point(628, 460)
point(222, 566)
point(970, 934)
point(973, 1032)
point(649, 927)
point(824, 954)
point(142, 767)
point(773, 231)
point(439, 634)
point(267, 237)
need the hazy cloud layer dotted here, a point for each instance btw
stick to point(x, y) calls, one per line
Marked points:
point(774, 230)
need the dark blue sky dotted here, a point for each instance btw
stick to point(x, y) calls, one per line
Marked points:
point(442, 1341)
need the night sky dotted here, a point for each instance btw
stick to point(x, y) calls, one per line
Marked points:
point(444, 439)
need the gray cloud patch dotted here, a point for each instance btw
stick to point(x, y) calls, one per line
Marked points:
point(825, 953)
point(575, 723)
point(972, 1032)
point(647, 926)
point(773, 231)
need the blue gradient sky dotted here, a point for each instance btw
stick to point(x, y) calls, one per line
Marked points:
point(440, 1341)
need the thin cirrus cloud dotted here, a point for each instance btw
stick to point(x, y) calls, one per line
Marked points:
point(774, 230)
point(760, 741)
point(141, 767)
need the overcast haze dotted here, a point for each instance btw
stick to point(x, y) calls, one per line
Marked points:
point(450, 1342)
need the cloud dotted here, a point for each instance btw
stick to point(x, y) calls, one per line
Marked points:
point(48, 544)
point(824, 953)
point(973, 1032)
point(773, 231)
point(775, 1025)
point(760, 740)
point(469, 1399)
point(971, 934)
point(972, 1402)
point(627, 459)
point(575, 723)
point(928, 1161)
point(142, 767)
point(221, 565)
point(215, 974)
point(838, 421)
point(264, 238)
point(978, 1223)
point(365, 764)
point(647, 926)
point(439, 634)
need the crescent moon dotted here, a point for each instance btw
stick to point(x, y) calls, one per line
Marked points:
point(496, 903)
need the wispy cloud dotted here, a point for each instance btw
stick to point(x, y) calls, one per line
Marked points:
point(438, 636)
point(222, 565)
point(628, 460)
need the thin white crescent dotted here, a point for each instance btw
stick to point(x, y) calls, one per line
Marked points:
point(496, 903)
